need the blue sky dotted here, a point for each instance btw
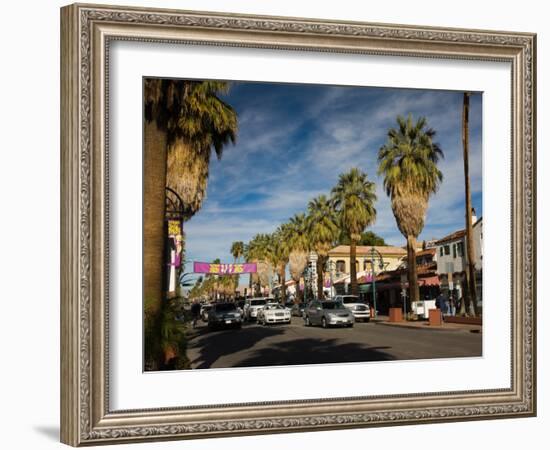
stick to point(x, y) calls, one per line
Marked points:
point(295, 139)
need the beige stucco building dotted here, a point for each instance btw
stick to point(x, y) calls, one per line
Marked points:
point(339, 258)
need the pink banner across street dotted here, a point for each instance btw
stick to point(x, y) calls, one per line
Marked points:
point(223, 269)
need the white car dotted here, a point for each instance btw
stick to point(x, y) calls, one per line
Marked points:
point(273, 313)
point(204, 311)
point(359, 309)
point(252, 306)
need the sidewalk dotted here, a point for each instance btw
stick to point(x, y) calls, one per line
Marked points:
point(424, 325)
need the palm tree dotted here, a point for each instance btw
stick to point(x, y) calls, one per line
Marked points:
point(205, 123)
point(298, 243)
point(278, 253)
point(237, 250)
point(323, 232)
point(183, 121)
point(368, 238)
point(408, 162)
point(159, 112)
point(257, 251)
point(471, 293)
point(354, 198)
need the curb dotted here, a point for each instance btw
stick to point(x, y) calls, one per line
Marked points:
point(427, 328)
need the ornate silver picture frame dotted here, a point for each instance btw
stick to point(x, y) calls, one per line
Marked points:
point(87, 32)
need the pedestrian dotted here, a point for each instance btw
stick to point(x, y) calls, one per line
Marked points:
point(452, 303)
point(195, 312)
point(440, 304)
point(447, 304)
point(439, 300)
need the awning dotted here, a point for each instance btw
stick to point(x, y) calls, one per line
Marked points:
point(429, 281)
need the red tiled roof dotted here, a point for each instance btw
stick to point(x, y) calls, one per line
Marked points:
point(365, 250)
point(428, 251)
point(452, 237)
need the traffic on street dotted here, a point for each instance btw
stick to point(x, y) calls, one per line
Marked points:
point(262, 338)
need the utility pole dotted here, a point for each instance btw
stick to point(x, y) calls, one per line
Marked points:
point(471, 292)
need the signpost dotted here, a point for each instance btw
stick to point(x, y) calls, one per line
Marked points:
point(375, 255)
point(313, 258)
point(404, 295)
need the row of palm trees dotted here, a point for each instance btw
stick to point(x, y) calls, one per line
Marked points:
point(407, 161)
point(212, 286)
point(350, 208)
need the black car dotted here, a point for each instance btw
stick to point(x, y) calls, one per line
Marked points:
point(224, 315)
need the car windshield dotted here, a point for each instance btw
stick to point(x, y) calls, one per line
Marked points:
point(257, 302)
point(226, 307)
point(275, 307)
point(351, 299)
point(332, 305)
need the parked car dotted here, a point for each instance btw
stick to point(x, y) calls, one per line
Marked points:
point(273, 313)
point(298, 309)
point(204, 311)
point(253, 305)
point(224, 315)
point(327, 313)
point(359, 309)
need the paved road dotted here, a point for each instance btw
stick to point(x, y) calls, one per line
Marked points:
point(257, 345)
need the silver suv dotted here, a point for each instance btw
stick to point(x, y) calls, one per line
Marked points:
point(359, 309)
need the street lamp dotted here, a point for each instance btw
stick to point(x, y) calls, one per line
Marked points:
point(375, 255)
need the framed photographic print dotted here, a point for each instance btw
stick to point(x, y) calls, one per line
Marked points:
point(276, 224)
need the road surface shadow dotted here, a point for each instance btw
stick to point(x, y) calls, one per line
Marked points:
point(314, 351)
point(216, 344)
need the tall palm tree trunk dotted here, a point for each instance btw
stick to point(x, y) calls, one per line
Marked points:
point(299, 297)
point(283, 285)
point(353, 267)
point(299, 292)
point(154, 184)
point(320, 277)
point(471, 293)
point(414, 293)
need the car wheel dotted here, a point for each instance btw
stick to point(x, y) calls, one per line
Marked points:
point(324, 322)
point(367, 320)
point(239, 326)
point(350, 325)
